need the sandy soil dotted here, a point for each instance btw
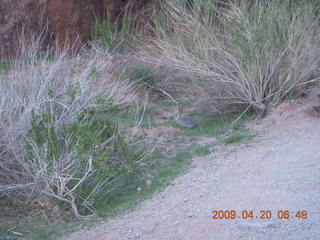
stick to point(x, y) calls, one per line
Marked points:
point(279, 170)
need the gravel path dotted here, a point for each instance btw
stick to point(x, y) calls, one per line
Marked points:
point(279, 170)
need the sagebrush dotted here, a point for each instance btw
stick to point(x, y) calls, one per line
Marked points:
point(249, 54)
point(58, 139)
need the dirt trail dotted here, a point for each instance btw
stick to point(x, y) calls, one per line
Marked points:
point(279, 170)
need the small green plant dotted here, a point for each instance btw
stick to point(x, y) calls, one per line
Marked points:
point(142, 74)
point(234, 138)
point(202, 151)
point(121, 35)
point(6, 65)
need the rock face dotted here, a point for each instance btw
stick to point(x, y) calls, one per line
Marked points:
point(70, 19)
point(67, 20)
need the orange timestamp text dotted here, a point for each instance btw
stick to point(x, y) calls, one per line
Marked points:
point(261, 214)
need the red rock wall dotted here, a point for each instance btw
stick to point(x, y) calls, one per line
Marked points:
point(67, 20)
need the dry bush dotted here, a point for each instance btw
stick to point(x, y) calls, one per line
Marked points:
point(240, 54)
point(53, 141)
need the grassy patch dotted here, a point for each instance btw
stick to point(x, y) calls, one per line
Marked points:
point(6, 65)
point(212, 126)
point(136, 187)
point(141, 185)
point(142, 74)
point(29, 221)
point(117, 35)
point(37, 228)
point(202, 151)
point(236, 137)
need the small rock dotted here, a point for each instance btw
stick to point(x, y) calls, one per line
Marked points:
point(315, 111)
point(302, 95)
point(316, 108)
point(139, 189)
point(190, 215)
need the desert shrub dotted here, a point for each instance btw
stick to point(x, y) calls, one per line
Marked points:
point(77, 162)
point(56, 136)
point(243, 53)
point(119, 35)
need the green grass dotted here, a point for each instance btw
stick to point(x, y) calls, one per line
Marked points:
point(212, 125)
point(202, 151)
point(236, 138)
point(120, 200)
point(37, 228)
point(136, 188)
point(6, 65)
point(118, 36)
point(32, 222)
point(142, 74)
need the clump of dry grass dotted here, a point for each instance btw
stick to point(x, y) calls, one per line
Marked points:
point(51, 141)
point(252, 55)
